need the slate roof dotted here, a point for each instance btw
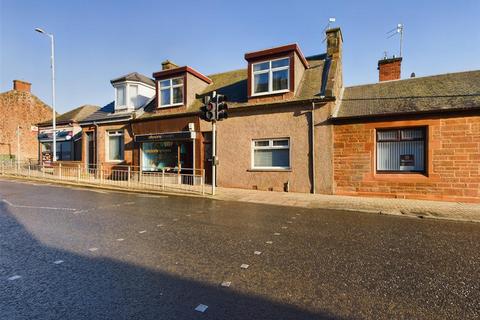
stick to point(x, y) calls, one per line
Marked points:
point(106, 114)
point(134, 76)
point(75, 115)
point(439, 93)
point(233, 84)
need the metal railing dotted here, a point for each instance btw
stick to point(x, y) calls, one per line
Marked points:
point(124, 176)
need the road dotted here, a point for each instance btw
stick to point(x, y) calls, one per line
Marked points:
point(71, 253)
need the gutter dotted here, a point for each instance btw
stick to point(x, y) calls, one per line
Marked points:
point(377, 117)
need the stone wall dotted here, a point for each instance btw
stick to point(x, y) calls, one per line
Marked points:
point(453, 161)
point(24, 109)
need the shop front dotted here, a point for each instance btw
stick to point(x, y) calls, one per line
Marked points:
point(68, 144)
point(172, 152)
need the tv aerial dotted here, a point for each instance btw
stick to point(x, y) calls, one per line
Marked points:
point(397, 31)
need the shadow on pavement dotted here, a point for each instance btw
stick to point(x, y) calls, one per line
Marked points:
point(85, 287)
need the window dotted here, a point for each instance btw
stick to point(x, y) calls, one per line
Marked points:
point(115, 145)
point(133, 94)
point(171, 92)
point(271, 154)
point(121, 96)
point(271, 76)
point(401, 150)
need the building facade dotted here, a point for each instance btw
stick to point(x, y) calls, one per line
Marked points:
point(414, 138)
point(22, 110)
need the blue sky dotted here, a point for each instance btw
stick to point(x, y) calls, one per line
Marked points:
point(99, 40)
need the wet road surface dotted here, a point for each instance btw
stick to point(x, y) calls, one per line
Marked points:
point(71, 253)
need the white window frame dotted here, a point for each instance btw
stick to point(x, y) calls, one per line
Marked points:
point(114, 133)
point(171, 86)
point(271, 147)
point(125, 94)
point(270, 77)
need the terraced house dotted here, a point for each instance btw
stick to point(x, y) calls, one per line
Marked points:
point(412, 138)
point(292, 126)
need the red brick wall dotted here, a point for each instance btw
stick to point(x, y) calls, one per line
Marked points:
point(453, 161)
point(24, 109)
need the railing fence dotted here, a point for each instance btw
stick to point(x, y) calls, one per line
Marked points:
point(130, 177)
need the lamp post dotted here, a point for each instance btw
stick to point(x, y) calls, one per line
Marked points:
point(52, 65)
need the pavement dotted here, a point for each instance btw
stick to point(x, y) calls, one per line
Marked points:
point(74, 253)
point(459, 211)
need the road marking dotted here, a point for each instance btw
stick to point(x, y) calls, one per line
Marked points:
point(34, 207)
point(58, 261)
point(201, 308)
point(15, 277)
point(93, 249)
point(257, 253)
point(143, 231)
point(244, 266)
point(269, 242)
point(226, 284)
point(120, 239)
point(276, 234)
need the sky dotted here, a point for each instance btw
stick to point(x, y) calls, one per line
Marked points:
point(96, 41)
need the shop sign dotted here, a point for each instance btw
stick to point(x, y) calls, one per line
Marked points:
point(170, 136)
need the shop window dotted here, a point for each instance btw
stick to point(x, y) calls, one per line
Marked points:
point(115, 145)
point(64, 151)
point(271, 154)
point(401, 150)
point(271, 76)
point(171, 92)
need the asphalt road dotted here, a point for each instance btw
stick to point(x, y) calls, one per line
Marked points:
point(71, 253)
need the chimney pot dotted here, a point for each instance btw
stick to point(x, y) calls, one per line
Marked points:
point(412, 75)
point(167, 64)
point(22, 86)
point(389, 69)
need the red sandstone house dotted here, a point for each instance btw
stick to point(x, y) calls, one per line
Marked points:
point(413, 138)
point(20, 109)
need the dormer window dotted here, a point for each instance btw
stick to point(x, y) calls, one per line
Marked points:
point(132, 91)
point(271, 76)
point(171, 92)
point(133, 95)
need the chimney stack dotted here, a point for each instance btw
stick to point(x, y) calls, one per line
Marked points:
point(389, 69)
point(334, 43)
point(167, 64)
point(23, 86)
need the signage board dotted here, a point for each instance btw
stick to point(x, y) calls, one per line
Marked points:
point(407, 162)
point(168, 136)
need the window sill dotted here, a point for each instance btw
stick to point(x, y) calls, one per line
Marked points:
point(171, 106)
point(269, 170)
point(266, 94)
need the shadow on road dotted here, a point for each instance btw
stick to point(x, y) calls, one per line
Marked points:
point(84, 287)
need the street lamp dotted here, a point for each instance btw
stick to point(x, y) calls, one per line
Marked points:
point(52, 64)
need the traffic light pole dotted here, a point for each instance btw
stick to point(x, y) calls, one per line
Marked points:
point(214, 155)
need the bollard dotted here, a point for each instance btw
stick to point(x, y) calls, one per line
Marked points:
point(29, 169)
point(202, 181)
point(78, 173)
point(60, 171)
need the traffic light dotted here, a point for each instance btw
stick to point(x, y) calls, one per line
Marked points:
point(222, 107)
point(209, 109)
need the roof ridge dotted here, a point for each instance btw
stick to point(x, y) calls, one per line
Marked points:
point(412, 79)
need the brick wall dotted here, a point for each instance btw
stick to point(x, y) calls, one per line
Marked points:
point(389, 69)
point(24, 109)
point(453, 161)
